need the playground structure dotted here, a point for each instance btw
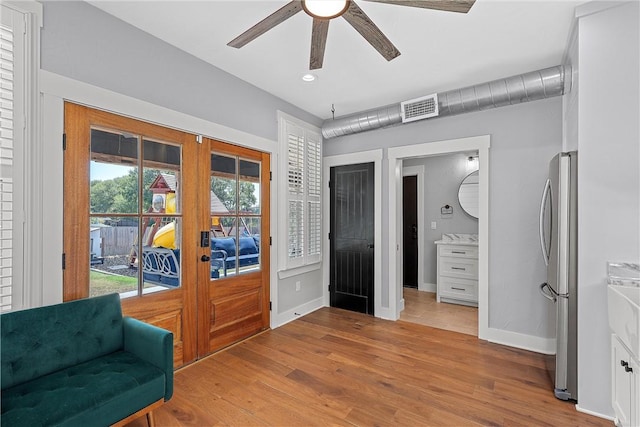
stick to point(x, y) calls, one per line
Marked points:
point(161, 255)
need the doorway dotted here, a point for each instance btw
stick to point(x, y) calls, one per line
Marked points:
point(441, 177)
point(396, 155)
point(351, 241)
point(154, 195)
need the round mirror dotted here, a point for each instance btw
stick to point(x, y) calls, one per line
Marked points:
point(468, 194)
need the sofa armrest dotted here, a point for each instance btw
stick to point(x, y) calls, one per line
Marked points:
point(152, 344)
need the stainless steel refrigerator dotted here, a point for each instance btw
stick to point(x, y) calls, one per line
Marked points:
point(558, 239)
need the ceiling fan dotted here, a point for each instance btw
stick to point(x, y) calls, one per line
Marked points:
point(322, 11)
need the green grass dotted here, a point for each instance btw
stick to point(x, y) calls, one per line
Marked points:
point(103, 283)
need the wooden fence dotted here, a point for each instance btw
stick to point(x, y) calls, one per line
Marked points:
point(118, 240)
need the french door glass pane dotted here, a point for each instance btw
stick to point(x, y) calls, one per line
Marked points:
point(235, 215)
point(249, 187)
point(113, 172)
point(223, 184)
point(135, 217)
point(112, 267)
point(161, 261)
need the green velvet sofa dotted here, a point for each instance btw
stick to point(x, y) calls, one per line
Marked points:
point(81, 363)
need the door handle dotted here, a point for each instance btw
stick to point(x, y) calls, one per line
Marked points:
point(370, 246)
point(547, 292)
point(205, 258)
point(543, 243)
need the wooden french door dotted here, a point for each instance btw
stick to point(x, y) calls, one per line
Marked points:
point(139, 202)
point(233, 292)
point(351, 247)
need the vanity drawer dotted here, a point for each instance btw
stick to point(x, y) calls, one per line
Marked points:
point(458, 267)
point(459, 289)
point(458, 251)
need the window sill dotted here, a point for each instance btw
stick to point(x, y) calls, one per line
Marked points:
point(284, 274)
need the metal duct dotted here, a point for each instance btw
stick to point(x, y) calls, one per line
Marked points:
point(541, 84)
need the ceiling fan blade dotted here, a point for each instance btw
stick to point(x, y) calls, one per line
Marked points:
point(461, 6)
point(277, 17)
point(362, 24)
point(318, 42)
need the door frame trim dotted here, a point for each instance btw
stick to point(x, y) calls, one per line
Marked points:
point(56, 89)
point(417, 171)
point(395, 156)
point(375, 157)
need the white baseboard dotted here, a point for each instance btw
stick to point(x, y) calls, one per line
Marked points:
point(595, 414)
point(387, 314)
point(427, 287)
point(523, 341)
point(299, 311)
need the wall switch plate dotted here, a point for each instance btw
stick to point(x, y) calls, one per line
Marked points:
point(297, 286)
point(433, 225)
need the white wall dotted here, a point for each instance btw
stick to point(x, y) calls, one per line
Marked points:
point(607, 134)
point(442, 178)
point(524, 138)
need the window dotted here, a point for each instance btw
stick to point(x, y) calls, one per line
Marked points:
point(18, 66)
point(301, 161)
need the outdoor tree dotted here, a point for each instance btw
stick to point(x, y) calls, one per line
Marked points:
point(120, 194)
point(225, 190)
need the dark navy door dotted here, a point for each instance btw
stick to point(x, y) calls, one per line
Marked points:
point(351, 237)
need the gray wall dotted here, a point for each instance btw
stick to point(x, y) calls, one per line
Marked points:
point(83, 43)
point(603, 111)
point(442, 178)
point(523, 139)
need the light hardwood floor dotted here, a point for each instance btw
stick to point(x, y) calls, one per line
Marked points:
point(334, 367)
point(421, 307)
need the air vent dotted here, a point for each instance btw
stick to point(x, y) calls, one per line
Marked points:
point(419, 108)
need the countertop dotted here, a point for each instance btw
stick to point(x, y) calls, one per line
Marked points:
point(623, 273)
point(458, 239)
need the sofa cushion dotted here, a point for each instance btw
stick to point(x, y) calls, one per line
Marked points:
point(247, 246)
point(227, 244)
point(43, 340)
point(95, 393)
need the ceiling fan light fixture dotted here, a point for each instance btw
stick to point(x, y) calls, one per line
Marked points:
point(325, 9)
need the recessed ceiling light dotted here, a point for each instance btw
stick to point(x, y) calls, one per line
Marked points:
point(309, 77)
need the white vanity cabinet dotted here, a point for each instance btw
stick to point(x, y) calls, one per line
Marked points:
point(625, 384)
point(457, 273)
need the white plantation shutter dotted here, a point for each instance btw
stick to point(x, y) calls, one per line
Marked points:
point(295, 174)
point(303, 147)
point(12, 28)
point(314, 180)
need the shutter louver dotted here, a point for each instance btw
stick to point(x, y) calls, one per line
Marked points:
point(6, 166)
point(296, 229)
point(315, 228)
point(313, 165)
point(296, 163)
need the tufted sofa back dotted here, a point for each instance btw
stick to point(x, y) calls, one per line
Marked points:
point(42, 340)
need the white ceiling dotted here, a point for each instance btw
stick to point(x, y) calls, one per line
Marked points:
point(440, 50)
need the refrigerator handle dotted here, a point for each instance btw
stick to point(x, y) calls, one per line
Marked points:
point(548, 292)
point(545, 195)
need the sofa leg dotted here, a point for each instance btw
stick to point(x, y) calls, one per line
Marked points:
point(150, 420)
